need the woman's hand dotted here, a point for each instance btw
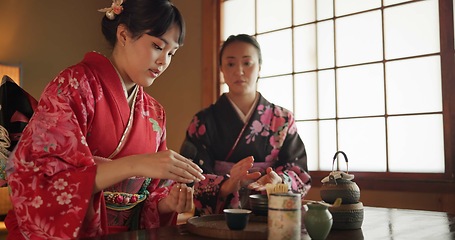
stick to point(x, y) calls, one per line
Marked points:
point(180, 199)
point(163, 165)
point(169, 165)
point(239, 175)
point(271, 177)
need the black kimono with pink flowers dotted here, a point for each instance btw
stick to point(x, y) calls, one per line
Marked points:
point(270, 136)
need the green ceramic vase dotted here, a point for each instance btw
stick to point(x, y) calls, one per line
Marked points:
point(318, 221)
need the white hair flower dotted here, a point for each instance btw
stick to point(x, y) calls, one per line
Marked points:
point(115, 9)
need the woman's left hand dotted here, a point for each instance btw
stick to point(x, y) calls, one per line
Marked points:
point(180, 199)
point(270, 177)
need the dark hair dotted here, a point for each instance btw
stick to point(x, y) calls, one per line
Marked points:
point(242, 38)
point(152, 17)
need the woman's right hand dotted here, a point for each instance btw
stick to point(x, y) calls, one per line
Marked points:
point(169, 165)
point(162, 165)
point(239, 176)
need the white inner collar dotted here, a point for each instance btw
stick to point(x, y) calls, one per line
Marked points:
point(242, 116)
point(130, 97)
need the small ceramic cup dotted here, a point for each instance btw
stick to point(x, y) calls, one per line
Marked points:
point(237, 219)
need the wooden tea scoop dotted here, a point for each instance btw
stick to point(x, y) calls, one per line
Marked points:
point(337, 202)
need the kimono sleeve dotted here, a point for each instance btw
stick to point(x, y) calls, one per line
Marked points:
point(51, 173)
point(150, 216)
point(195, 147)
point(292, 160)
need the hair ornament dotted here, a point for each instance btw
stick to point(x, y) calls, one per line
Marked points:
point(115, 9)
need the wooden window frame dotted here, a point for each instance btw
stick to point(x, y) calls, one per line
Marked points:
point(211, 22)
point(410, 182)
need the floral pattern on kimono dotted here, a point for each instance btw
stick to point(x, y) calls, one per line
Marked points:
point(82, 114)
point(270, 136)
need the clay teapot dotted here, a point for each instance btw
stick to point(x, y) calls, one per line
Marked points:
point(339, 184)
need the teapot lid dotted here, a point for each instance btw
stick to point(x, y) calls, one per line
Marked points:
point(338, 175)
point(334, 175)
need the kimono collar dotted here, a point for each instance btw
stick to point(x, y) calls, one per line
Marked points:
point(242, 116)
point(106, 74)
point(129, 97)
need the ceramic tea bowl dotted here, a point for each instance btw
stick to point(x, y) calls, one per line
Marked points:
point(236, 219)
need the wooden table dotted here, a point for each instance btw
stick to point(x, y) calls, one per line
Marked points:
point(378, 223)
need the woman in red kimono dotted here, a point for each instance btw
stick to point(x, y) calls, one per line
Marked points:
point(242, 142)
point(93, 157)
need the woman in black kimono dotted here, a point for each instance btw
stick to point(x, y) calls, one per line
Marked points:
point(243, 141)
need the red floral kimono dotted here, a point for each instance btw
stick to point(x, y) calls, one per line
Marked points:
point(217, 138)
point(83, 117)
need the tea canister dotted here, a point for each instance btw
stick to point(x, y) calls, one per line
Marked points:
point(284, 216)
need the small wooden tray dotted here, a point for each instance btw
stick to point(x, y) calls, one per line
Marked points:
point(215, 226)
